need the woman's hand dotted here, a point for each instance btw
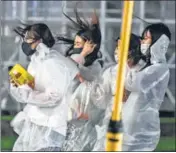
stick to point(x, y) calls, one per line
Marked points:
point(130, 63)
point(13, 83)
point(31, 84)
point(88, 48)
point(126, 94)
point(80, 78)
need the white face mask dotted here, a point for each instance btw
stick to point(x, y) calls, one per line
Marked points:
point(144, 48)
point(116, 58)
point(116, 55)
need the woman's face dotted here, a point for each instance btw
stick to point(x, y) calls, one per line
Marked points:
point(147, 39)
point(79, 42)
point(129, 60)
point(146, 42)
point(116, 53)
point(30, 39)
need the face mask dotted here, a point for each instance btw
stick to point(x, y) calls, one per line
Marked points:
point(77, 50)
point(116, 58)
point(27, 49)
point(144, 48)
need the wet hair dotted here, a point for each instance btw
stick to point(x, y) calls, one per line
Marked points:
point(39, 31)
point(157, 30)
point(86, 32)
point(134, 48)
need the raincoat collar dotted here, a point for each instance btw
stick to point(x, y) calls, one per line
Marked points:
point(41, 51)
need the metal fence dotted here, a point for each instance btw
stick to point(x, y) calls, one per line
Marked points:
point(50, 12)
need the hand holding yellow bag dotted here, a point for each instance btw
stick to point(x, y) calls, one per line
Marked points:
point(20, 76)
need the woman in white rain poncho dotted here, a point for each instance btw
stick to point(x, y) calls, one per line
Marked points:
point(109, 85)
point(85, 51)
point(96, 98)
point(42, 124)
point(147, 85)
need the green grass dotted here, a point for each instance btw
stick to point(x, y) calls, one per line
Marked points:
point(167, 120)
point(7, 143)
point(166, 144)
point(7, 118)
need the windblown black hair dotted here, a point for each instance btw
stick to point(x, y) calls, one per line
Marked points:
point(87, 32)
point(134, 48)
point(39, 30)
point(156, 30)
point(22, 30)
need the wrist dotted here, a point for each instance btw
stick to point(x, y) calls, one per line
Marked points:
point(83, 53)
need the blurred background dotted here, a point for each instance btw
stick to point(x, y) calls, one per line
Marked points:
point(110, 13)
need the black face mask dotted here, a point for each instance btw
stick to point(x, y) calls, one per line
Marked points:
point(27, 49)
point(77, 50)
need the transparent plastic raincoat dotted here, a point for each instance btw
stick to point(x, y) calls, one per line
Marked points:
point(140, 114)
point(82, 129)
point(43, 121)
point(93, 98)
point(108, 85)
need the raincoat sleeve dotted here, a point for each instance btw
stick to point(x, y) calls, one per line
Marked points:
point(149, 78)
point(100, 94)
point(132, 80)
point(78, 58)
point(146, 79)
point(97, 92)
point(56, 85)
point(82, 97)
point(104, 90)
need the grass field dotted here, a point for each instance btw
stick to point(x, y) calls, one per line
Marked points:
point(165, 143)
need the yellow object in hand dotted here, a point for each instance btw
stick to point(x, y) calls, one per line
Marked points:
point(20, 76)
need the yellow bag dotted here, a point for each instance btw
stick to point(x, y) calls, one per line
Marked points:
point(20, 76)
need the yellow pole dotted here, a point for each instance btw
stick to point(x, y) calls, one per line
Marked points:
point(114, 135)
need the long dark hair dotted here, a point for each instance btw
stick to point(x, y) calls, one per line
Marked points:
point(134, 48)
point(39, 31)
point(87, 32)
point(156, 30)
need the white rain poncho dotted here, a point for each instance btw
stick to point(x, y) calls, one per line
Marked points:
point(94, 98)
point(109, 90)
point(89, 73)
point(108, 84)
point(43, 122)
point(140, 114)
point(81, 130)
point(102, 128)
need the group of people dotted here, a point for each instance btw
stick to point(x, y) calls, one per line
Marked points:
point(70, 104)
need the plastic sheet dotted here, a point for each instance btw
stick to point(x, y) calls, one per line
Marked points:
point(43, 122)
point(141, 111)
